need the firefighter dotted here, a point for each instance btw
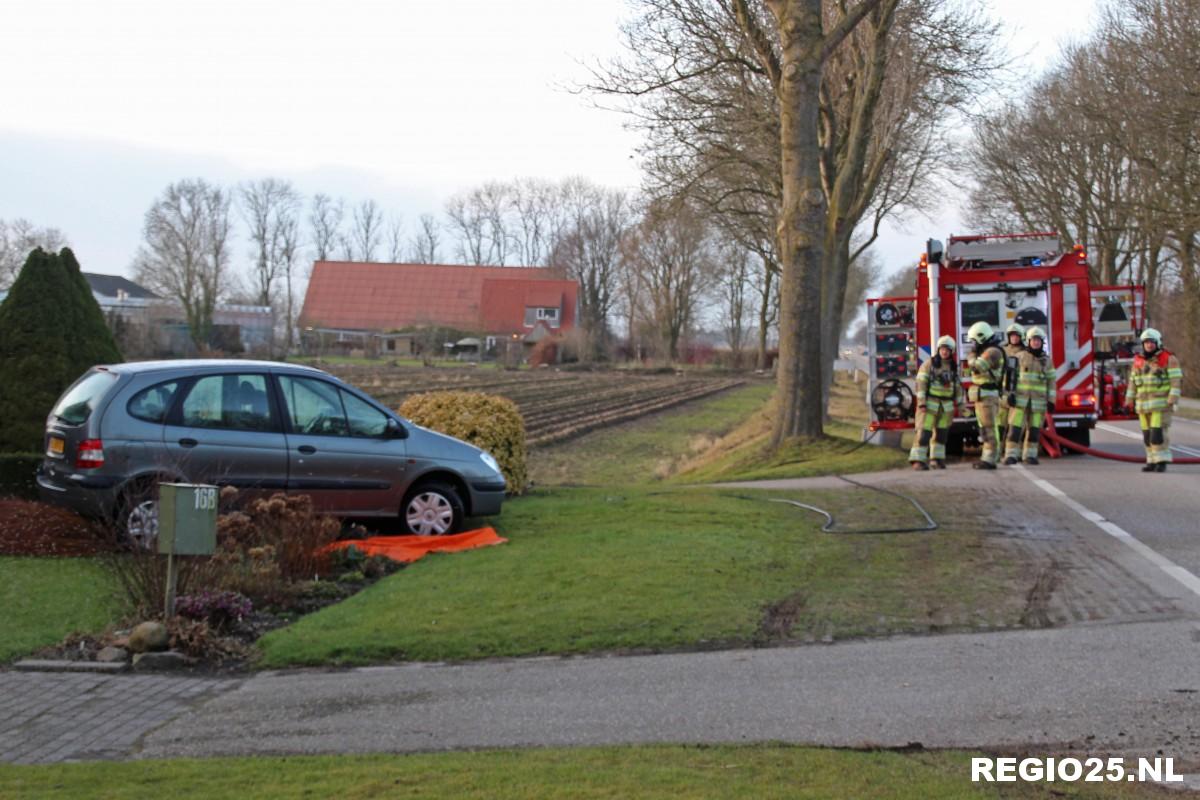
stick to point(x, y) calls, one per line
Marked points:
point(1034, 395)
point(1015, 339)
point(938, 393)
point(1153, 391)
point(987, 379)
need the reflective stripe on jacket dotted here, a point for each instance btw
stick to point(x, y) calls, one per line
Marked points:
point(1154, 382)
point(987, 371)
point(938, 380)
point(1036, 379)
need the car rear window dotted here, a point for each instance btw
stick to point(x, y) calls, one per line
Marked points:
point(80, 400)
point(152, 404)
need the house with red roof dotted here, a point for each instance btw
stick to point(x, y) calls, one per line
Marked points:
point(369, 303)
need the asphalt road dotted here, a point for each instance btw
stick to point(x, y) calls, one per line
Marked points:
point(1162, 511)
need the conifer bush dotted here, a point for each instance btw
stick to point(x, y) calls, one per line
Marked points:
point(51, 332)
point(491, 423)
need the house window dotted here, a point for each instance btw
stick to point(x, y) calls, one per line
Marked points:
point(548, 314)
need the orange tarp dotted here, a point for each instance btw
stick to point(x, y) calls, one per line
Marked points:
point(410, 548)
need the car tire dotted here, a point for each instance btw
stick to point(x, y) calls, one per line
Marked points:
point(432, 509)
point(137, 515)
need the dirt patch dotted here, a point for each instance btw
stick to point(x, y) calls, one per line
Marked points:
point(780, 617)
point(28, 528)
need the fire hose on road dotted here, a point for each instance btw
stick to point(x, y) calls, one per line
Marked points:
point(1059, 441)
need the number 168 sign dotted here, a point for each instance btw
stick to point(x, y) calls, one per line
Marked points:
point(187, 519)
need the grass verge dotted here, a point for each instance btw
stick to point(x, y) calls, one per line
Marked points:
point(654, 771)
point(629, 569)
point(744, 454)
point(44, 599)
point(650, 448)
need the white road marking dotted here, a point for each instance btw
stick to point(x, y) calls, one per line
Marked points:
point(1189, 581)
point(1187, 451)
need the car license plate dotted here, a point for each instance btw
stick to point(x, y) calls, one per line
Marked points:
point(55, 447)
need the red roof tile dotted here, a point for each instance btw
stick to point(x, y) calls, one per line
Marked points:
point(371, 296)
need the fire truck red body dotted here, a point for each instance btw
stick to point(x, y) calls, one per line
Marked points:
point(1025, 278)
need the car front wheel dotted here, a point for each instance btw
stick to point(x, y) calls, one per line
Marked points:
point(432, 509)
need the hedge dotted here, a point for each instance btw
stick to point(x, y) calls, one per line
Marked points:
point(491, 423)
point(17, 475)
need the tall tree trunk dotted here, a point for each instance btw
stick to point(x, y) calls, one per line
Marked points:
point(801, 223)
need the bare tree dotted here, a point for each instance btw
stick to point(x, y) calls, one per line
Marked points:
point(20, 237)
point(590, 251)
point(734, 282)
point(423, 248)
point(289, 255)
point(269, 206)
point(671, 250)
point(478, 219)
point(396, 239)
point(367, 230)
point(185, 251)
point(325, 220)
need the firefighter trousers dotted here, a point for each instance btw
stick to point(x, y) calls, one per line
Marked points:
point(933, 427)
point(1024, 425)
point(1156, 427)
point(991, 430)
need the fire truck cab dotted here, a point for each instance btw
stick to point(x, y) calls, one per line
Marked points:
point(1091, 331)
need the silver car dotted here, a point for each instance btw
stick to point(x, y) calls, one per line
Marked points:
point(262, 427)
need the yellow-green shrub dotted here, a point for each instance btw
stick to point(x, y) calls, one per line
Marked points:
point(491, 423)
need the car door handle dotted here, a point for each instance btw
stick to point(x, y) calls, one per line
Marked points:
point(307, 449)
point(188, 442)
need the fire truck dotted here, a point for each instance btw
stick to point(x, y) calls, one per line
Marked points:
point(1027, 278)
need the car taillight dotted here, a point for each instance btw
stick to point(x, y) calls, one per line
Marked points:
point(89, 454)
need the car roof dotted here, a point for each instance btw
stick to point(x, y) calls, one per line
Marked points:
point(185, 364)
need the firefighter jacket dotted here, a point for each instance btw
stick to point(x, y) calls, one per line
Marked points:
point(987, 373)
point(1154, 382)
point(1036, 380)
point(938, 380)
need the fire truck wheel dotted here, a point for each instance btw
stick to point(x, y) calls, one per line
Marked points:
point(955, 443)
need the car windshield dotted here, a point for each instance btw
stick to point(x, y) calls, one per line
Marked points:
point(77, 404)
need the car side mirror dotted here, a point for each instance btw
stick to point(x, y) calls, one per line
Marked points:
point(394, 430)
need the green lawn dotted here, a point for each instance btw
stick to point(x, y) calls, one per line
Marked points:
point(659, 771)
point(634, 569)
point(44, 599)
point(647, 449)
point(744, 454)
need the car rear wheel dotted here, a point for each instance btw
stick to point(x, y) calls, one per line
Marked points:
point(432, 509)
point(137, 517)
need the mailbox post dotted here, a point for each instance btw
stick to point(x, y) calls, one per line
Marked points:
point(187, 526)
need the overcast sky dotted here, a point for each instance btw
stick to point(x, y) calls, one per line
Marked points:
point(105, 102)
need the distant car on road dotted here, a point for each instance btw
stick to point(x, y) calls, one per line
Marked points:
point(262, 427)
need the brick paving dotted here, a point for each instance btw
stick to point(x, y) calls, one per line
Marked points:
point(48, 717)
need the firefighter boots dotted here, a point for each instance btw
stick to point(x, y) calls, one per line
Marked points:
point(1162, 466)
point(920, 466)
point(1032, 461)
point(939, 463)
point(1150, 468)
point(983, 465)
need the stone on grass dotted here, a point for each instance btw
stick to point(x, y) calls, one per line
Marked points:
point(149, 637)
point(112, 654)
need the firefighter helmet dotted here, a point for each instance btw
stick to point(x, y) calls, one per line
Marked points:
point(1152, 335)
point(1017, 328)
point(980, 333)
point(1035, 333)
point(946, 341)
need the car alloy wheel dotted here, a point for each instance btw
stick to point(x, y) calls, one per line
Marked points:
point(429, 513)
point(141, 524)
